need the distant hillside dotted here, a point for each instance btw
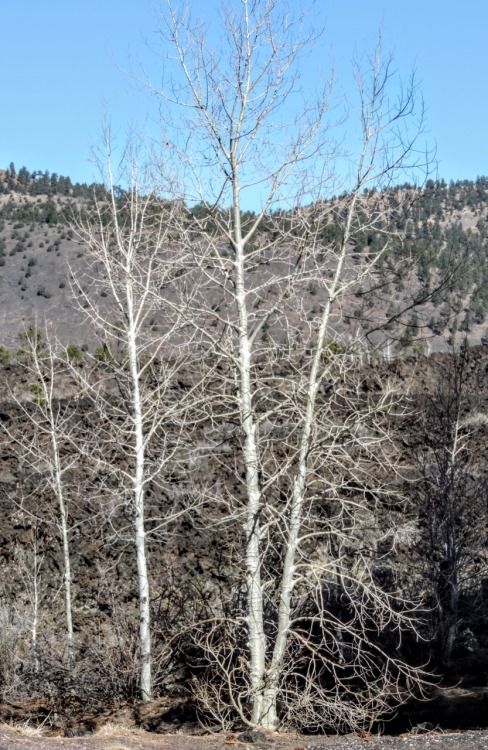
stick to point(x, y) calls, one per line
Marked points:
point(442, 244)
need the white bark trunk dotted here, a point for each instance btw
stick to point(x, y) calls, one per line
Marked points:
point(255, 619)
point(144, 608)
point(35, 606)
point(257, 639)
point(139, 522)
point(63, 513)
point(269, 711)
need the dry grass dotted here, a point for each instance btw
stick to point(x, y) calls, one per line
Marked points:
point(26, 729)
point(114, 728)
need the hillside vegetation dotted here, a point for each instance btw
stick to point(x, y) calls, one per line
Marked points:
point(438, 261)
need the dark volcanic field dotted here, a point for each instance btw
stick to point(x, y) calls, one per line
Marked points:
point(194, 564)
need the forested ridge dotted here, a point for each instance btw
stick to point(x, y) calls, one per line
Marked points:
point(441, 247)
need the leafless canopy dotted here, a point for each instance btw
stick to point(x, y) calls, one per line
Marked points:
point(298, 634)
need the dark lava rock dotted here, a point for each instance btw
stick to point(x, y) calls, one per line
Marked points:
point(251, 737)
point(81, 729)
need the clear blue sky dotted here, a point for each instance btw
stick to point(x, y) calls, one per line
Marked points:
point(62, 63)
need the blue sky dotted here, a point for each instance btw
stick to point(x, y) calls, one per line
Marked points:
point(62, 71)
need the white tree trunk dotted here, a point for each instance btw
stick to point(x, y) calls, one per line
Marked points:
point(255, 620)
point(35, 602)
point(139, 522)
point(63, 516)
point(287, 583)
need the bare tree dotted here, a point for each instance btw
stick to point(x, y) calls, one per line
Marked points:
point(451, 492)
point(29, 565)
point(139, 408)
point(46, 446)
point(313, 438)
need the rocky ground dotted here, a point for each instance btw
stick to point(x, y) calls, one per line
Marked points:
point(111, 738)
